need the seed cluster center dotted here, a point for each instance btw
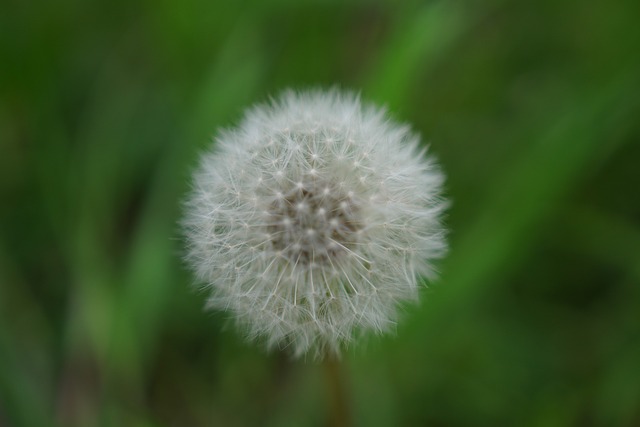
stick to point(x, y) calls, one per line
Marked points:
point(313, 224)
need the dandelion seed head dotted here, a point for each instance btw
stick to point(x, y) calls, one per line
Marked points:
point(313, 219)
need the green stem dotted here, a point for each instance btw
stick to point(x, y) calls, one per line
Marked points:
point(340, 415)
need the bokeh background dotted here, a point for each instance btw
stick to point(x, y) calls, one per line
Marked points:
point(533, 109)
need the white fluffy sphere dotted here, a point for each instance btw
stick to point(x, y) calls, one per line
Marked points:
point(313, 220)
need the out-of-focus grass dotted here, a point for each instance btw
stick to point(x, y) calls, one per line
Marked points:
point(532, 109)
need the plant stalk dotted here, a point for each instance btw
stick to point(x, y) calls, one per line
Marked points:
point(340, 414)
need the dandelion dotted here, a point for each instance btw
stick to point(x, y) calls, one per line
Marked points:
point(312, 221)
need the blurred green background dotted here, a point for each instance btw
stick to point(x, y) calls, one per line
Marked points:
point(533, 109)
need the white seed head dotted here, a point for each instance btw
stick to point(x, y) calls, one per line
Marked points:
point(313, 219)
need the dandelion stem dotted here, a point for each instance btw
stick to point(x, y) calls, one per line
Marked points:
point(340, 415)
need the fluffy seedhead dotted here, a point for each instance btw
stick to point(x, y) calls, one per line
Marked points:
point(313, 219)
